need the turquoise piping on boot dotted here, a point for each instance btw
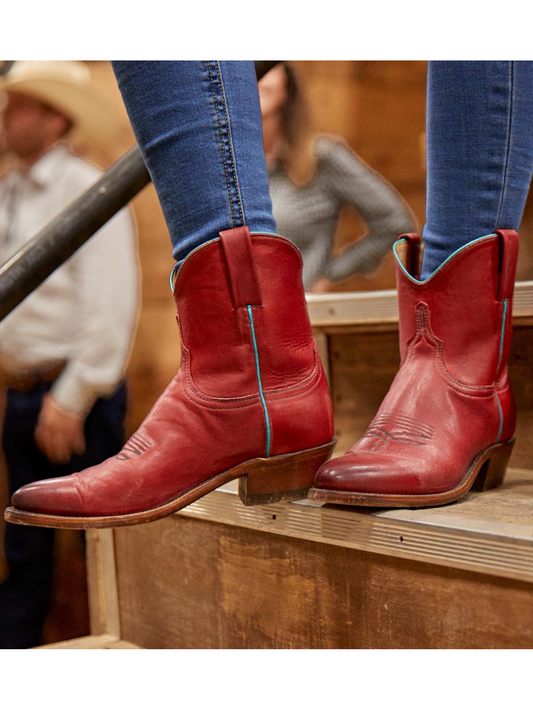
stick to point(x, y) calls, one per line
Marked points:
point(258, 370)
point(498, 367)
point(502, 333)
point(425, 281)
point(178, 265)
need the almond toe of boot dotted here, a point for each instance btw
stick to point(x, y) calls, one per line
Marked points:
point(364, 473)
point(51, 496)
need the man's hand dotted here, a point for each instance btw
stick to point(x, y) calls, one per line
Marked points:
point(59, 434)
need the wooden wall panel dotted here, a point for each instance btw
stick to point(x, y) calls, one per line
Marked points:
point(185, 583)
point(521, 375)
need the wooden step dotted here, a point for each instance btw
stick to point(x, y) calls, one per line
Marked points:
point(220, 575)
point(489, 533)
point(363, 308)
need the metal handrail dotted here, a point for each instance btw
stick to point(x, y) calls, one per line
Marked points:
point(67, 232)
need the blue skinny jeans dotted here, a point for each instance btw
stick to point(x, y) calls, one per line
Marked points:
point(199, 127)
point(479, 152)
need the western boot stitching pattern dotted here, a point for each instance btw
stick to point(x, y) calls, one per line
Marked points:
point(425, 332)
point(397, 428)
point(220, 104)
point(311, 380)
point(135, 445)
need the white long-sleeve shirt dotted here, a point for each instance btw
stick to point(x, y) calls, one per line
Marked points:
point(85, 313)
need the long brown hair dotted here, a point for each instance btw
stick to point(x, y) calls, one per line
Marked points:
point(297, 157)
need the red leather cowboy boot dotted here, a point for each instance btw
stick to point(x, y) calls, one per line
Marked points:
point(449, 418)
point(250, 399)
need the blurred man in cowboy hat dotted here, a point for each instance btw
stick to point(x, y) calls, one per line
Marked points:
point(64, 349)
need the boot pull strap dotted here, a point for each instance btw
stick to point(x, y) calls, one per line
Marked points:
point(414, 240)
point(509, 257)
point(237, 249)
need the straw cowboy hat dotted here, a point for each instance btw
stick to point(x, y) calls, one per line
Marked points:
point(67, 87)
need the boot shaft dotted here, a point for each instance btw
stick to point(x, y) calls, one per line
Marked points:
point(466, 305)
point(240, 300)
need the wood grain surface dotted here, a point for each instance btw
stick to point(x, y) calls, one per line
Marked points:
point(193, 584)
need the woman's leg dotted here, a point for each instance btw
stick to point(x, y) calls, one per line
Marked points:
point(199, 127)
point(479, 152)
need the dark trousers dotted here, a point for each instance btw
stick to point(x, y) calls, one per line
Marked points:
point(25, 594)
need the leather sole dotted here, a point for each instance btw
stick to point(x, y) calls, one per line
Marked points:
point(287, 477)
point(487, 471)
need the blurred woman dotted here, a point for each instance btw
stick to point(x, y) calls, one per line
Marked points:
point(312, 178)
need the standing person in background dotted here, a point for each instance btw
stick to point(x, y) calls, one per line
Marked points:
point(64, 349)
point(312, 178)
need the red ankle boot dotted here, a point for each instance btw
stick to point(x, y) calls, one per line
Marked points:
point(448, 420)
point(250, 399)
